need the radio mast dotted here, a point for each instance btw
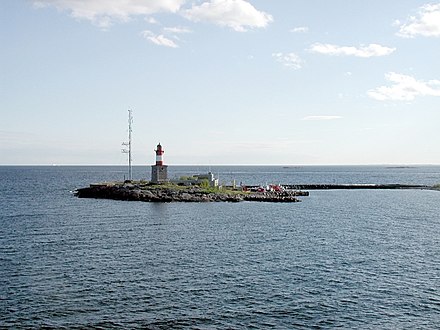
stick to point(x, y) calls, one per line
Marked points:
point(128, 144)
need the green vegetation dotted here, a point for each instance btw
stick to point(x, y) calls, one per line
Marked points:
point(436, 186)
point(203, 188)
point(204, 184)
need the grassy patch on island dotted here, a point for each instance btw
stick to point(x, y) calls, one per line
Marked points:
point(204, 188)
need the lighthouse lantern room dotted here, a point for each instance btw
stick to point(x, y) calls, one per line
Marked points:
point(159, 172)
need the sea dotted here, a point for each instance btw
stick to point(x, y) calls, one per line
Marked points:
point(352, 259)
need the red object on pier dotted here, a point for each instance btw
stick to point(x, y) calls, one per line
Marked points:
point(159, 153)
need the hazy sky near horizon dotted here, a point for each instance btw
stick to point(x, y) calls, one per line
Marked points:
point(220, 81)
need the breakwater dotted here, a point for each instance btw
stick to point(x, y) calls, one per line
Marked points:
point(173, 193)
point(326, 186)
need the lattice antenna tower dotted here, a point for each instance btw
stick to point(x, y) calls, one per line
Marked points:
point(127, 145)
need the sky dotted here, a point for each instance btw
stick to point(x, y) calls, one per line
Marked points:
point(216, 82)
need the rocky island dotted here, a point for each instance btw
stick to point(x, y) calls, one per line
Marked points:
point(192, 188)
point(148, 192)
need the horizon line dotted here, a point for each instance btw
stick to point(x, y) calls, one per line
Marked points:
point(289, 165)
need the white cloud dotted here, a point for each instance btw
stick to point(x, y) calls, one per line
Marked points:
point(167, 37)
point(177, 30)
point(290, 60)
point(404, 88)
point(236, 14)
point(426, 24)
point(300, 29)
point(159, 39)
point(104, 12)
point(362, 51)
point(239, 15)
point(321, 118)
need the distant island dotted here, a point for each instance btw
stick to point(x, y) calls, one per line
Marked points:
point(400, 167)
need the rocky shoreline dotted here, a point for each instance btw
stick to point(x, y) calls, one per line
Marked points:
point(147, 193)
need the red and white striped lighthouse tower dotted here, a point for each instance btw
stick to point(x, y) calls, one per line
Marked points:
point(159, 153)
point(159, 172)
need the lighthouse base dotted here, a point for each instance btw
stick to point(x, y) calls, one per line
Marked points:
point(159, 173)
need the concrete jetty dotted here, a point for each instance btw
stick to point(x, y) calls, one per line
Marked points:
point(355, 186)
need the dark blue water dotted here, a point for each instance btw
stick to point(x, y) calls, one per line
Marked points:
point(351, 259)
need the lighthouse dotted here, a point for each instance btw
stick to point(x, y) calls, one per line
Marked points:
point(159, 158)
point(159, 172)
